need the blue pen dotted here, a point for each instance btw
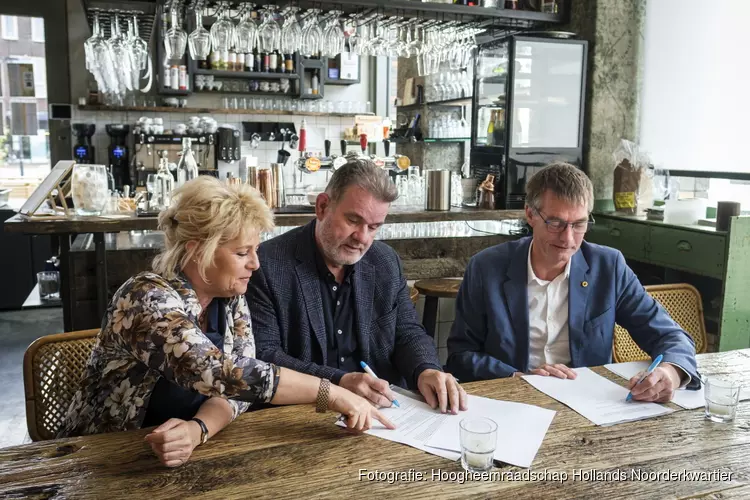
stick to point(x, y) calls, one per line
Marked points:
point(371, 373)
point(650, 370)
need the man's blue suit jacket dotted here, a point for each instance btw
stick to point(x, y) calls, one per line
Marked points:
point(490, 335)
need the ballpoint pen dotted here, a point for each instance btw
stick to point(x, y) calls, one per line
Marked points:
point(371, 373)
point(650, 370)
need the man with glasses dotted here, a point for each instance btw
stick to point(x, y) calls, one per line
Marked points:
point(548, 303)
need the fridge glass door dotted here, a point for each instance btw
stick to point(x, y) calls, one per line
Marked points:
point(546, 94)
point(490, 94)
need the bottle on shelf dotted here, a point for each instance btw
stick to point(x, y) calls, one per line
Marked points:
point(240, 66)
point(266, 62)
point(232, 60)
point(315, 84)
point(213, 60)
point(187, 168)
point(491, 129)
point(289, 63)
point(258, 61)
point(273, 62)
point(249, 60)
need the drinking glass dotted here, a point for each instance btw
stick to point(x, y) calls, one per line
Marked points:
point(175, 39)
point(247, 31)
point(138, 53)
point(222, 31)
point(269, 33)
point(478, 438)
point(291, 33)
point(721, 399)
point(312, 35)
point(49, 285)
point(199, 41)
point(89, 189)
point(333, 36)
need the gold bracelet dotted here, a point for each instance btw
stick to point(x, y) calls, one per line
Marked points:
point(321, 404)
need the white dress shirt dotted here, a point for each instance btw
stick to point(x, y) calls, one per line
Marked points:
point(548, 318)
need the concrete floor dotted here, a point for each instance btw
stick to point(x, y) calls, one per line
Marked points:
point(17, 330)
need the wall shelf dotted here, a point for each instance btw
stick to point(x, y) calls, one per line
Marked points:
point(198, 111)
point(246, 75)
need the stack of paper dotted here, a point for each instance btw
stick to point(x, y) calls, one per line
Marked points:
point(521, 427)
point(596, 398)
point(687, 399)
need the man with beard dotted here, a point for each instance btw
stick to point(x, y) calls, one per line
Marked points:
point(327, 297)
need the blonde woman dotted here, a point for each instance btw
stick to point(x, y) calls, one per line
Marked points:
point(176, 348)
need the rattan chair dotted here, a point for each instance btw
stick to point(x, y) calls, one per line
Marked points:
point(414, 295)
point(52, 370)
point(683, 303)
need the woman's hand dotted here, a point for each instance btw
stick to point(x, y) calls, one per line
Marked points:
point(174, 441)
point(357, 410)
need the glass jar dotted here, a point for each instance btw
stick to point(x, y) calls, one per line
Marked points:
point(89, 189)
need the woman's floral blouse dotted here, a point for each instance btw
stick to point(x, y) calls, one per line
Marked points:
point(151, 330)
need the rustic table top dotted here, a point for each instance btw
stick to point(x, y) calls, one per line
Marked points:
point(292, 452)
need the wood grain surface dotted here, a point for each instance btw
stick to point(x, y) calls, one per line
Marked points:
point(292, 452)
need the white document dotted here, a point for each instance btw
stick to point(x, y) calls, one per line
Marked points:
point(520, 429)
point(596, 398)
point(689, 400)
point(415, 423)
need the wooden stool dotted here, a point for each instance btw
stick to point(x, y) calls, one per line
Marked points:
point(434, 289)
point(413, 295)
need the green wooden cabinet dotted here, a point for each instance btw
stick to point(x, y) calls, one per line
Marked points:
point(697, 252)
point(703, 251)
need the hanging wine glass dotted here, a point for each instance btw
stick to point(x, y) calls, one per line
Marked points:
point(269, 33)
point(291, 33)
point(246, 32)
point(333, 36)
point(199, 41)
point(312, 35)
point(175, 39)
point(139, 53)
point(120, 53)
point(222, 31)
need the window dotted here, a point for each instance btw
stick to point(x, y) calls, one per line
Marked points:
point(9, 27)
point(37, 29)
point(23, 118)
point(694, 105)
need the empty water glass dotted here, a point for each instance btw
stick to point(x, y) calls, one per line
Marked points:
point(721, 399)
point(49, 285)
point(478, 438)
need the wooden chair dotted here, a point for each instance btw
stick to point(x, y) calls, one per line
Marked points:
point(434, 289)
point(52, 370)
point(413, 295)
point(683, 303)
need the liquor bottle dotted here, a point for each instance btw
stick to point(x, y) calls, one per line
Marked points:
point(273, 62)
point(491, 130)
point(289, 63)
point(258, 61)
point(315, 86)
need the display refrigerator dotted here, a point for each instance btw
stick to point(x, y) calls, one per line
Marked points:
point(528, 104)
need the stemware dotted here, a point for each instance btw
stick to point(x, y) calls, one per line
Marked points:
point(333, 36)
point(291, 33)
point(312, 35)
point(199, 41)
point(269, 33)
point(175, 40)
point(222, 31)
point(247, 31)
point(139, 53)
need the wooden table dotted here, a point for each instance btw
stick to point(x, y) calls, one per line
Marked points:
point(292, 452)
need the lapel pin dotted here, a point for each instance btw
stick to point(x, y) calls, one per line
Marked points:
point(584, 284)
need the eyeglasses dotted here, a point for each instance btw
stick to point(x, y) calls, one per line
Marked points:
point(558, 226)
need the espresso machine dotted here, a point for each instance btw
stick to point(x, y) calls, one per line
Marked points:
point(118, 157)
point(83, 151)
point(148, 148)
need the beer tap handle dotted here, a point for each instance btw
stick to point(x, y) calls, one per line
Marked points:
point(327, 144)
point(343, 147)
point(387, 146)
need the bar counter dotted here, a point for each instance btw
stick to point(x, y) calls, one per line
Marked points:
point(99, 253)
point(294, 216)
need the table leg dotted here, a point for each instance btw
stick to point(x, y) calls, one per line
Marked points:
point(102, 298)
point(65, 283)
point(429, 317)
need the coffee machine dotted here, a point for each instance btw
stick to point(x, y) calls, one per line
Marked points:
point(118, 157)
point(83, 151)
point(228, 151)
point(147, 149)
